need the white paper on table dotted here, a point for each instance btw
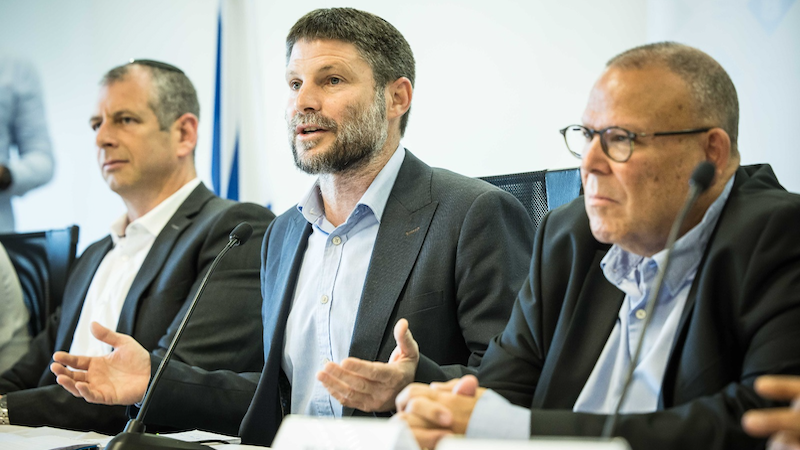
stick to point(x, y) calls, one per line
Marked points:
point(348, 433)
point(203, 436)
point(556, 443)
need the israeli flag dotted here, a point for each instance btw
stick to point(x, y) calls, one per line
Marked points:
point(238, 102)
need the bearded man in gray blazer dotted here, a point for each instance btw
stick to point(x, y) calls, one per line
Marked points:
point(141, 278)
point(380, 246)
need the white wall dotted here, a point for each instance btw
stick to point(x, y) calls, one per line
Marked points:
point(495, 80)
point(758, 44)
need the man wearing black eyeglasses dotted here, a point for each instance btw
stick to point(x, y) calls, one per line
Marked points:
point(729, 308)
point(139, 279)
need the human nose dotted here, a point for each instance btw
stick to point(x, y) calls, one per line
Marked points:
point(104, 136)
point(594, 159)
point(307, 99)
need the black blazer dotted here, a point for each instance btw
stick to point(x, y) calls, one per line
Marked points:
point(225, 330)
point(450, 254)
point(740, 321)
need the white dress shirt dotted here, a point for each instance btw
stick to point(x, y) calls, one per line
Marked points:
point(14, 316)
point(115, 275)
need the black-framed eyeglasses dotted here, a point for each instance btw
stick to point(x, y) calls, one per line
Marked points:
point(617, 142)
point(157, 64)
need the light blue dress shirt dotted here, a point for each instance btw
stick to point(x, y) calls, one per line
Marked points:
point(22, 124)
point(329, 286)
point(634, 275)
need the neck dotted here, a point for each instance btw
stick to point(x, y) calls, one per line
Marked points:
point(341, 191)
point(140, 203)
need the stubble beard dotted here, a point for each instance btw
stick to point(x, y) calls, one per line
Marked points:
point(358, 138)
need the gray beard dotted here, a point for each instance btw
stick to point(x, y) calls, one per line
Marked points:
point(359, 137)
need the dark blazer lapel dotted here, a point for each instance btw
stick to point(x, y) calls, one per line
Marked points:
point(677, 351)
point(159, 252)
point(408, 214)
point(275, 313)
point(71, 310)
point(583, 334)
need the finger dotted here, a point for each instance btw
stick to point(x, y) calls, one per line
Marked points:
point(68, 384)
point(108, 336)
point(371, 371)
point(446, 386)
point(764, 422)
point(467, 385)
point(59, 370)
point(778, 387)
point(333, 372)
point(415, 421)
point(405, 341)
point(413, 390)
point(77, 362)
point(344, 393)
point(430, 410)
point(784, 441)
point(88, 394)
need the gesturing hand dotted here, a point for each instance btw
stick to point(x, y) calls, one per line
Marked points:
point(783, 424)
point(373, 386)
point(119, 378)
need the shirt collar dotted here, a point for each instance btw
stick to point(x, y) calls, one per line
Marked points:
point(312, 207)
point(619, 264)
point(157, 218)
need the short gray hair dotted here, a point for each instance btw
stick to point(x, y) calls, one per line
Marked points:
point(380, 44)
point(173, 94)
point(709, 85)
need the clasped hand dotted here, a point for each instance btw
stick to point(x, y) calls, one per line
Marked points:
point(439, 409)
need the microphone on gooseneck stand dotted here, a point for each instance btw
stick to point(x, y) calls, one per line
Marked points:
point(700, 181)
point(133, 437)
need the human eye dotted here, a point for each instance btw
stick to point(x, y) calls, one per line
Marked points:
point(95, 124)
point(294, 85)
point(126, 120)
point(616, 135)
point(334, 80)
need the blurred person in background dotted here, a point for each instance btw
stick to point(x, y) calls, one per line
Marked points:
point(22, 126)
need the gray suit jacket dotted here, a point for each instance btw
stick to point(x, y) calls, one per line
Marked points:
point(450, 255)
point(224, 332)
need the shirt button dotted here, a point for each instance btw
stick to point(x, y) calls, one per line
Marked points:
point(641, 314)
point(336, 240)
point(324, 299)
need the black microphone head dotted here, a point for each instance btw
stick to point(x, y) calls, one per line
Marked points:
point(702, 176)
point(242, 233)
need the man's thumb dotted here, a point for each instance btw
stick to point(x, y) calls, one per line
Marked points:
point(107, 336)
point(404, 339)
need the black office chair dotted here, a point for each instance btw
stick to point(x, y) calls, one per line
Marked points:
point(42, 261)
point(540, 191)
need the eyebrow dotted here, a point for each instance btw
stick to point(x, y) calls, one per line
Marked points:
point(115, 114)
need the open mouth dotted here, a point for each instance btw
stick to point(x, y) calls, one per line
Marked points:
point(309, 130)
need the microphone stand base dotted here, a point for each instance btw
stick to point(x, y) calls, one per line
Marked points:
point(141, 441)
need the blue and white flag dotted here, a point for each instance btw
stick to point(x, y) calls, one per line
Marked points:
point(238, 114)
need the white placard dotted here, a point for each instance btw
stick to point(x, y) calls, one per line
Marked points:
point(460, 443)
point(349, 433)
